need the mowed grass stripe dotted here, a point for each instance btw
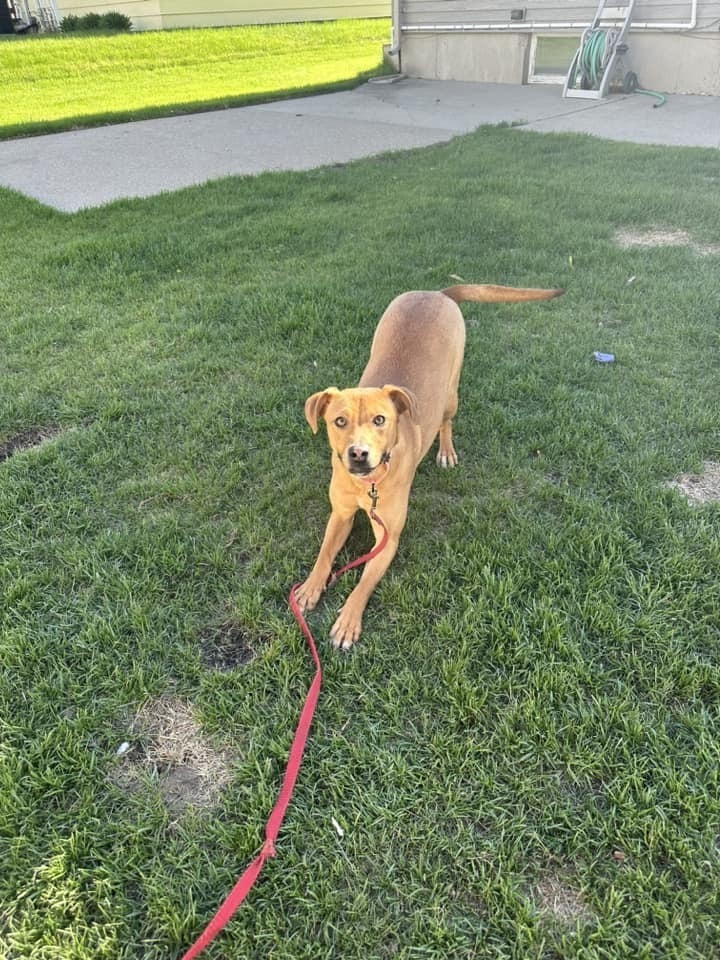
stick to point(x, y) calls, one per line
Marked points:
point(54, 83)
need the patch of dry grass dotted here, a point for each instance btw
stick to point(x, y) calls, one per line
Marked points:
point(700, 488)
point(169, 746)
point(555, 896)
point(664, 237)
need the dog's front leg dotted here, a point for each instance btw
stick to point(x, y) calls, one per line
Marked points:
point(336, 533)
point(348, 625)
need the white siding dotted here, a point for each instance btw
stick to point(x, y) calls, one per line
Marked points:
point(418, 12)
point(159, 14)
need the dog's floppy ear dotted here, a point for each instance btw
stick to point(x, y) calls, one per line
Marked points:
point(403, 399)
point(316, 405)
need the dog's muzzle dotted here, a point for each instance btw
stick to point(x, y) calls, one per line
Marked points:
point(358, 460)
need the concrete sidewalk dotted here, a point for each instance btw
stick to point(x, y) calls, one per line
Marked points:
point(88, 168)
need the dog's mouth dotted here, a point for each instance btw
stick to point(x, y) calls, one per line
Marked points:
point(360, 467)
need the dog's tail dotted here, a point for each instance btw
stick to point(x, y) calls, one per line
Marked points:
point(491, 293)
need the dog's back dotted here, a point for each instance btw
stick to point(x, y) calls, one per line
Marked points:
point(422, 333)
point(420, 340)
point(419, 344)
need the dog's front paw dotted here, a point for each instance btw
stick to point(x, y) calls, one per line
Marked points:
point(447, 457)
point(347, 629)
point(308, 594)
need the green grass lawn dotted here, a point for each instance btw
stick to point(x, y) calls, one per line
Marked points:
point(53, 83)
point(523, 750)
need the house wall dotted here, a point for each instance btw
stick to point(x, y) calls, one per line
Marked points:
point(163, 14)
point(475, 40)
point(145, 14)
point(184, 13)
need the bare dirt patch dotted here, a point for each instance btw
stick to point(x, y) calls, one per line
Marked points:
point(659, 237)
point(26, 439)
point(228, 645)
point(170, 748)
point(700, 488)
point(555, 897)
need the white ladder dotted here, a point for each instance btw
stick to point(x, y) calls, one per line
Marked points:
point(602, 43)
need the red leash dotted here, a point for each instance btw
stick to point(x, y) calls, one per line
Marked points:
point(272, 827)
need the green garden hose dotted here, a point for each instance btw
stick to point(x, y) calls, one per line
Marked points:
point(593, 59)
point(630, 85)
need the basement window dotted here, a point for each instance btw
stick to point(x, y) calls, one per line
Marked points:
point(551, 56)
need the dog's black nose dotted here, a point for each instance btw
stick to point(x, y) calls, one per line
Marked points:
point(358, 455)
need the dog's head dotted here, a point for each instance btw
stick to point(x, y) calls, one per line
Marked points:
point(362, 423)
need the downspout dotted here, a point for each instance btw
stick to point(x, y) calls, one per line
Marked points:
point(395, 30)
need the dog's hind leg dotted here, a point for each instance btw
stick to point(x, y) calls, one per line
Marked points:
point(446, 455)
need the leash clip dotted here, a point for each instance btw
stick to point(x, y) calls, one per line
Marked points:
point(373, 494)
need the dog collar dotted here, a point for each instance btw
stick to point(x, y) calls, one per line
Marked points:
point(373, 481)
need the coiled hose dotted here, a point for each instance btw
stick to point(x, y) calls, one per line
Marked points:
point(593, 59)
point(595, 54)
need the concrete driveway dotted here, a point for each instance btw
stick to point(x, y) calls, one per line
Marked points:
point(88, 168)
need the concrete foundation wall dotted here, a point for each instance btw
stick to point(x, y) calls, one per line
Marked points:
point(676, 63)
point(666, 62)
point(477, 57)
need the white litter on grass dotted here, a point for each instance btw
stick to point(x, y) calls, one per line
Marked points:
point(338, 829)
point(122, 749)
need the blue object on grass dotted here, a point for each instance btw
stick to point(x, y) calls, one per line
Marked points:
point(604, 357)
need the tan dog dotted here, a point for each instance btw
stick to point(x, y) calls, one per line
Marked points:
point(380, 430)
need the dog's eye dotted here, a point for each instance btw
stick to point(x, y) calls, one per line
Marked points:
point(340, 422)
point(379, 420)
